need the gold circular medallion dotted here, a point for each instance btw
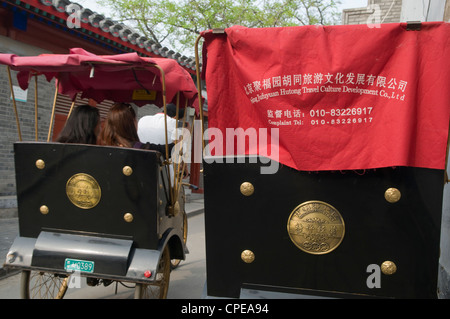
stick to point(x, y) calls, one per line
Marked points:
point(316, 227)
point(248, 256)
point(127, 170)
point(128, 217)
point(44, 210)
point(40, 164)
point(83, 191)
point(392, 195)
point(388, 268)
point(247, 189)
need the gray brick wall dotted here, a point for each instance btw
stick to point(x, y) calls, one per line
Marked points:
point(389, 12)
point(26, 113)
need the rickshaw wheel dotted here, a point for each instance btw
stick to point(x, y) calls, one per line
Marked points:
point(175, 262)
point(42, 285)
point(160, 287)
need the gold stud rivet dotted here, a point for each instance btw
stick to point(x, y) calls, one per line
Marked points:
point(128, 217)
point(44, 210)
point(247, 189)
point(127, 170)
point(388, 268)
point(248, 256)
point(392, 195)
point(40, 164)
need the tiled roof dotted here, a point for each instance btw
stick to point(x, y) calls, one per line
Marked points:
point(98, 28)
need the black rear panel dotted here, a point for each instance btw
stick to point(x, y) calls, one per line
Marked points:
point(117, 193)
point(406, 232)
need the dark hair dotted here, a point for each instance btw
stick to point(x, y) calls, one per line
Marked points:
point(172, 111)
point(80, 126)
point(120, 126)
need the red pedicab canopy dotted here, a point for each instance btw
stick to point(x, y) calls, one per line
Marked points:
point(125, 77)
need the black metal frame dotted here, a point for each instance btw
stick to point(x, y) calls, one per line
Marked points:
point(406, 232)
point(122, 250)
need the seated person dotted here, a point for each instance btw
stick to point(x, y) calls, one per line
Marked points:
point(151, 128)
point(82, 126)
point(120, 130)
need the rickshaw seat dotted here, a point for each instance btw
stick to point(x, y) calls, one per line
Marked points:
point(130, 198)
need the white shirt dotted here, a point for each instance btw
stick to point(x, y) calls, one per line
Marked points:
point(151, 128)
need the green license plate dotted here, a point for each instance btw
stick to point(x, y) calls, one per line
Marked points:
point(78, 265)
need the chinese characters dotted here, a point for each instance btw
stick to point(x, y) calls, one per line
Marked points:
point(307, 83)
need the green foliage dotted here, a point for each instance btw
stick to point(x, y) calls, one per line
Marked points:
point(178, 23)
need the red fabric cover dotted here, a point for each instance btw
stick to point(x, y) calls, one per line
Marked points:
point(113, 77)
point(361, 97)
